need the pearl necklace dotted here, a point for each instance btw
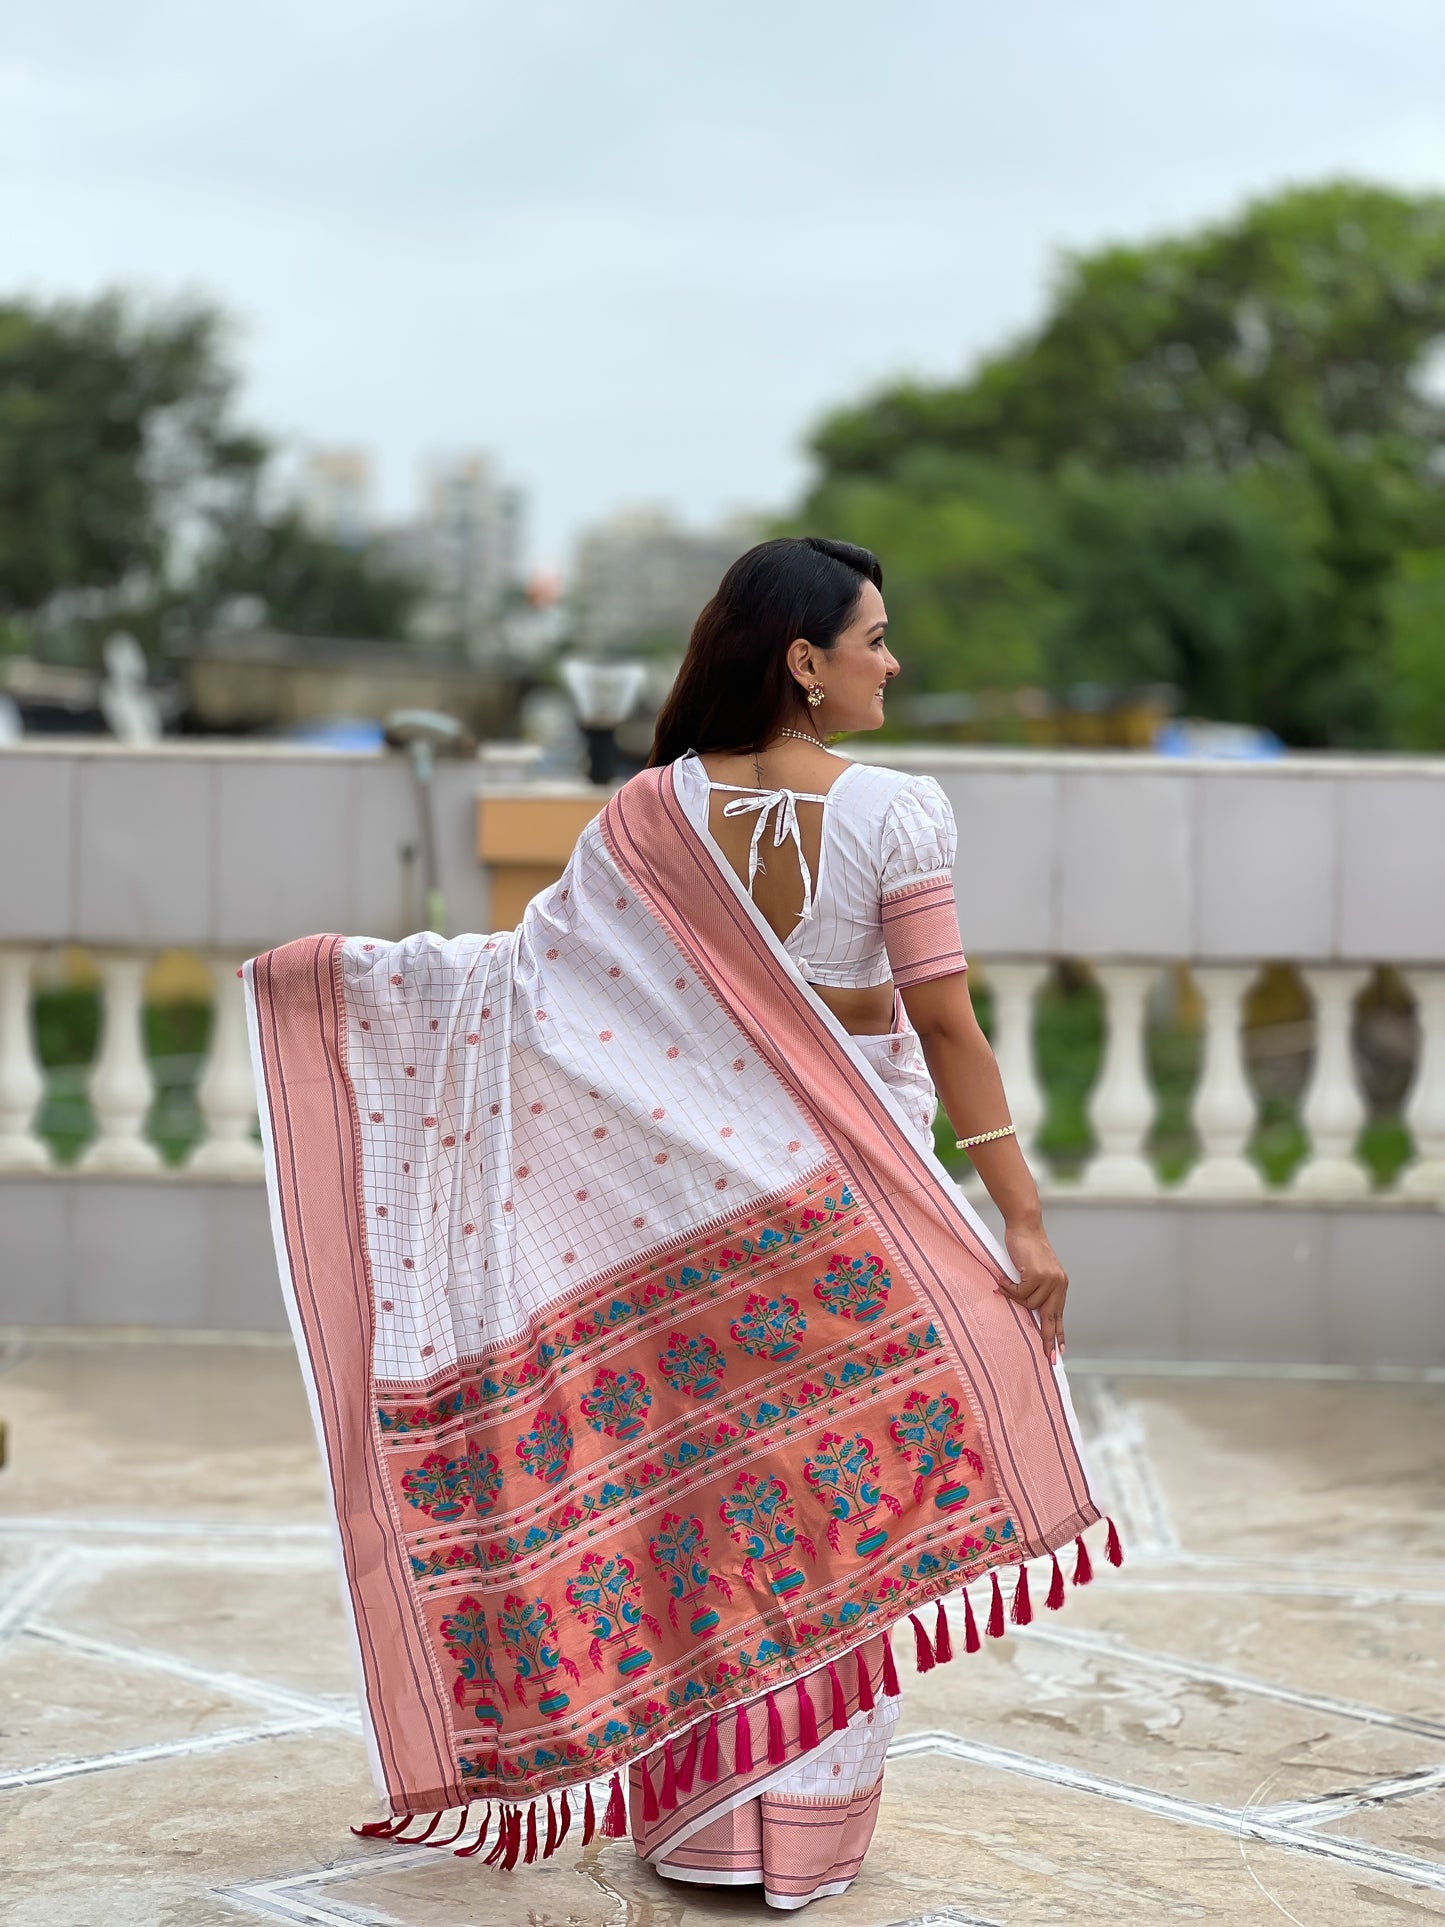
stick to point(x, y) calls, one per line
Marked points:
point(803, 736)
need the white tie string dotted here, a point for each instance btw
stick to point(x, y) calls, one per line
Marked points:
point(785, 825)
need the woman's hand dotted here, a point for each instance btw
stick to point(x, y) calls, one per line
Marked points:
point(1042, 1284)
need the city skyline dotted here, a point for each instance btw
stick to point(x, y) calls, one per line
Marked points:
point(636, 256)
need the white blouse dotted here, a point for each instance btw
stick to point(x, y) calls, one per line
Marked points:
point(882, 902)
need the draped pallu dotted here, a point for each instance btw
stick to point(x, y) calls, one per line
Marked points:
point(655, 1366)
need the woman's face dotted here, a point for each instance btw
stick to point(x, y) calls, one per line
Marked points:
point(853, 673)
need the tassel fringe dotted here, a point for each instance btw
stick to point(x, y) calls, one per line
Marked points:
point(1083, 1568)
point(942, 1641)
point(1055, 1597)
point(589, 1819)
point(1021, 1612)
point(994, 1628)
point(777, 1745)
point(866, 1701)
point(687, 1771)
point(971, 1640)
point(742, 1743)
point(711, 1764)
point(1113, 1551)
point(614, 1821)
point(650, 1808)
point(922, 1651)
point(890, 1670)
point(667, 1799)
point(840, 1704)
point(807, 1718)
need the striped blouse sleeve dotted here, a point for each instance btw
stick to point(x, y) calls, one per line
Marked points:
point(920, 920)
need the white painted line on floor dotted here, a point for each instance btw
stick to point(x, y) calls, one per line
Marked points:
point(1119, 1450)
point(160, 1750)
point(1328, 1807)
point(281, 1699)
point(1201, 1670)
point(285, 1897)
point(78, 1526)
point(1240, 1822)
point(1205, 1588)
point(33, 1586)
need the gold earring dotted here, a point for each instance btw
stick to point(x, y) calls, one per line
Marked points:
point(815, 696)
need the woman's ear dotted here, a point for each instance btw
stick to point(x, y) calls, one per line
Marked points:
point(800, 660)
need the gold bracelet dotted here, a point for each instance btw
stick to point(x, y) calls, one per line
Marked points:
point(984, 1137)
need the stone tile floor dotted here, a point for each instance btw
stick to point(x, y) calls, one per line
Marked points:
point(1246, 1724)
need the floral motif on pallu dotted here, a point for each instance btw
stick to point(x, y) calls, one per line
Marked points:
point(545, 1448)
point(692, 1363)
point(679, 1550)
point(931, 1435)
point(608, 1600)
point(444, 1487)
point(526, 1626)
point(844, 1473)
point(617, 1404)
point(770, 1328)
point(854, 1287)
point(475, 1688)
point(759, 1515)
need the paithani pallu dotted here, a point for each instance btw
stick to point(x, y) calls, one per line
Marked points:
point(655, 1364)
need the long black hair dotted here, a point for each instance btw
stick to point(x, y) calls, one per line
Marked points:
point(734, 690)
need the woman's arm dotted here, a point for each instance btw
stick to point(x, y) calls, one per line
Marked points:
point(963, 1068)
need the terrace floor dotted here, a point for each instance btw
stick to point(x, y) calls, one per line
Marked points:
point(1247, 1723)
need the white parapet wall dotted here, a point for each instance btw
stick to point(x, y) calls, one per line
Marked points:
point(1127, 862)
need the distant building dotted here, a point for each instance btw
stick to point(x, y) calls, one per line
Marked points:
point(641, 577)
point(336, 495)
point(467, 547)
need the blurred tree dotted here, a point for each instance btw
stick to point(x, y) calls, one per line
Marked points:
point(127, 489)
point(1231, 444)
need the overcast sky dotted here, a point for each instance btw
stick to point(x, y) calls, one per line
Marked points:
point(636, 246)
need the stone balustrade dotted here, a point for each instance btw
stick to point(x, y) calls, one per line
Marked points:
point(1120, 1108)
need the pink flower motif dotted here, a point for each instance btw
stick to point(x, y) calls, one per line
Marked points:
point(467, 1230)
point(661, 1158)
point(541, 1016)
point(552, 955)
point(407, 1265)
point(622, 903)
point(368, 946)
point(449, 1142)
point(486, 1011)
point(793, 1144)
point(524, 1170)
point(365, 1024)
point(594, 1093)
point(720, 1184)
point(427, 1350)
point(639, 1222)
point(737, 1063)
point(601, 1131)
point(428, 1121)
point(386, 1304)
point(679, 983)
point(727, 1130)
point(581, 1197)
point(659, 1112)
point(604, 1036)
point(508, 1205)
point(672, 1050)
point(376, 1117)
point(406, 1167)
point(411, 1070)
point(381, 1211)
point(537, 1108)
point(396, 980)
point(466, 1137)
point(614, 971)
point(569, 1257)
point(496, 1110)
point(434, 1022)
point(472, 1037)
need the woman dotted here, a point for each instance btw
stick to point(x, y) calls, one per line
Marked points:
point(658, 1367)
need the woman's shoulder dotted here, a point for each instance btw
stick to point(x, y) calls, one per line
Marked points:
point(883, 786)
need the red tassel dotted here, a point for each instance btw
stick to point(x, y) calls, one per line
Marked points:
point(807, 1718)
point(667, 1797)
point(514, 1839)
point(417, 1839)
point(614, 1821)
point(840, 1703)
point(866, 1701)
point(688, 1768)
point(1021, 1612)
point(711, 1765)
point(503, 1835)
point(742, 1743)
point(1083, 1569)
point(922, 1652)
point(891, 1687)
point(383, 1829)
point(465, 1853)
point(1113, 1551)
point(650, 1808)
point(971, 1640)
point(995, 1611)
point(777, 1746)
point(550, 1846)
point(942, 1641)
point(531, 1853)
point(1056, 1586)
point(589, 1819)
point(564, 1800)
